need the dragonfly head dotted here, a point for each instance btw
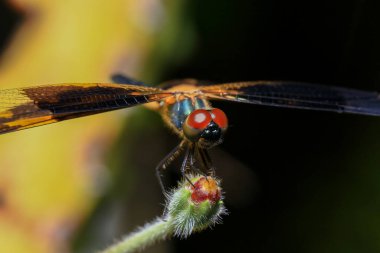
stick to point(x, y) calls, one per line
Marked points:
point(207, 127)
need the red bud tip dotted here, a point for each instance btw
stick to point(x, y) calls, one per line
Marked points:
point(205, 189)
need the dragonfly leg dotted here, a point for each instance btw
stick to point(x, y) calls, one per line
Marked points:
point(193, 160)
point(185, 162)
point(206, 161)
point(168, 159)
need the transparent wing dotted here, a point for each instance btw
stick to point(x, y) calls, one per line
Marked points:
point(34, 106)
point(298, 95)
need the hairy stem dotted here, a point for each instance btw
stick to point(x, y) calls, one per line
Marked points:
point(144, 237)
point(192, 207)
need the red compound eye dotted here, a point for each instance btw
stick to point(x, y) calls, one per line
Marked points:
point(199, 119)
point(219, 117)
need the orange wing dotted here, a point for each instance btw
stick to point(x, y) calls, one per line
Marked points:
point(35, 106)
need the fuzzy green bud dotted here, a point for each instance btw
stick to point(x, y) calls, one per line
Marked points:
point(191, 207)
point(196, 206)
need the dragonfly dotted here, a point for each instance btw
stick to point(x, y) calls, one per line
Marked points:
point(183, 104)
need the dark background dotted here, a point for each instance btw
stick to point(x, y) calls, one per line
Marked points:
point(316, 173)
point(314, 182)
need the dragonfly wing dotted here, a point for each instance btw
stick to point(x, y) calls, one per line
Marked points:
point(298, 95)
point(34, 106)
point(123, 79)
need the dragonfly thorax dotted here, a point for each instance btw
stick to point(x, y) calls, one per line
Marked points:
point(206, 127)
point(191, 116)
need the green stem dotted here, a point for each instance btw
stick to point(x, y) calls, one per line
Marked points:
point(149, 234)
point(188, 211)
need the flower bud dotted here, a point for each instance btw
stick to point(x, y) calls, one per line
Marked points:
point(196, 206)
point(205, 189)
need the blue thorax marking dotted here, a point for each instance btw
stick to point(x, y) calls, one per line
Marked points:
point(179, 111)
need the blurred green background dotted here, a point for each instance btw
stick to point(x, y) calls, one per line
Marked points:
point(295, 181)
